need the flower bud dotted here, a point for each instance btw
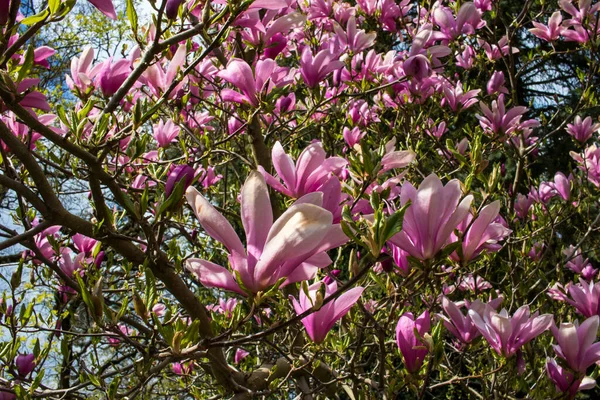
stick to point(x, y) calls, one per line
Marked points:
point(25, 364)
point(417, 67)
point(275, 45)
point(172, 8)
point(179, 173)
point(4, 10)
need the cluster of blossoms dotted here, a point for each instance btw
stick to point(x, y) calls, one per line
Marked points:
point(342, 160)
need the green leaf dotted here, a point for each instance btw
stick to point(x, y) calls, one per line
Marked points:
point(393, 224)
point(94, 380)
point(173, 199)
point(53, 6)
point(36, 18)
point(150, 288)
point(36, 382)
point(132, 16)
point(15, 279)
point(113, 387)
point(27, 64)
point(85, 294)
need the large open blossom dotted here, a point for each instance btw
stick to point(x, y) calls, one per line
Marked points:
point(292, 247)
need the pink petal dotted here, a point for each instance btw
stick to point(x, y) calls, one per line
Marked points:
point(213, 275)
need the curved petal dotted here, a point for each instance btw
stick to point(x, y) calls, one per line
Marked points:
point(344, 303)
point(257, 215)
point(298, 231)
point(212, 275)
point(213, 222)
point(285, 167)
point(239, 74)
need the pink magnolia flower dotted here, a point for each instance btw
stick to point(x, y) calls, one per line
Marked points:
point(417, 66)
point(396, 159)
point(436, 131)
point(565, 380)
point(311, 170)
point(483, 5)
point(182, 368)
point(235, 125)
point(589, 163)
point(558, 292)
point(578, 33)
point(543, 194)
point(29, 97)
point(412, 348)
point(522, 205)
point(69, 265)
point(240, 75)
point(159, 78)
point(473, 284)
point(467, 20)
point(585, 8)
point(496, 51)
point(240, 354)
point(507, 334)
point(460, 325)
point(106, 7)
point(315, 69)
point(577, 343)
point(356, 40)
point(159, 309)
point(551, 32)
point(431, 218)
point(112, 75)
point(400, 258)
point(500, 121)
point(43, 244)
point(165, 133)
point(465, 59)
point(582, 130)
point(84, 244)
point(291, 247)
point(352, 137)
point(41, 55)
point(25, 364)
point(585, 297)
point(496, 83)
point(180, 173)
point(125, 330)
point(208, 177)
point(285, 104)
point(562, 185)
point(483, 233)
point(368, 6)
point(455, 98)
point(577, 264)
point(275, 45)
point(172, 8)
point(227, 307)
point(536, 251)
point(320, 322)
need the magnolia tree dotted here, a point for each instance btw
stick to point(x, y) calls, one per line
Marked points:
point(311, 199)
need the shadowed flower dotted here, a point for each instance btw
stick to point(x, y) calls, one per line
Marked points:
point(25, 364)
point(507, 334)
point(412, 349)
point(320, 322)
point(582, 130)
